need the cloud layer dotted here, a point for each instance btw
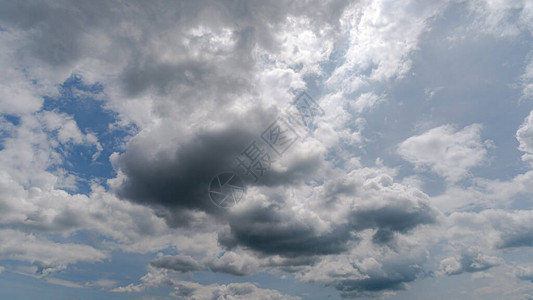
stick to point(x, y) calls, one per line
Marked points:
point(114, 119)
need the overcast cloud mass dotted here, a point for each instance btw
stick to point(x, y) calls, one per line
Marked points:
point(124, 125)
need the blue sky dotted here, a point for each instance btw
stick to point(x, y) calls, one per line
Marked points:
point(414, 182)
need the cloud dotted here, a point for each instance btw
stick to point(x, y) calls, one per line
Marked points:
point(177, 180)
point(524, 135)
point(527, 78)
point(191, 290)
point(524, 273)
point(500, 18)
point(47, 256)
point(236, 263)
point(369, 269)
point(197, 82)
point(379, 50)
point(366, 101)
point(446, 151)
point(180, 263)
point(501, 229)
point(471, 261)
point(328, 222)
point(271, 231)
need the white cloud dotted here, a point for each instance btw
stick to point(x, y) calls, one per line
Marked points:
point(46, 255)
point(527, 78)
point(524, 135)
point(470, 261)
point(446, 151)
point(381, 40)
point(192, 290)
point(192, 72)
point(492, 228)
point(238, 291)
point(524, 272)
point(366, 101)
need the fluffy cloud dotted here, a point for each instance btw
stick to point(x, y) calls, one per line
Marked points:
point(502, 229)
point(191, 290)
point(524, 135)
point(179, 263)
point(326, 222)
point(380, 41)
point(369, 269)
point(45, 255)
point(197, 82)
point(446, 150)
point(471, 261)
point(524, 273)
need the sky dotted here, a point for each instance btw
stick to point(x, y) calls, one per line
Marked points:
point(234, 149)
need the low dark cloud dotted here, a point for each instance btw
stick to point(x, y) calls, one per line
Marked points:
point(516, 239)
point(232, 269)
point(273, 230)
point(393, 277)
point(270, 231)
point(176, 185)
point(180, 183)
point(393, 218)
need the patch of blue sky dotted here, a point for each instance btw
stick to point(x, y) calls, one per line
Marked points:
point(132, 266)
point(79, 281)
point(6, 123)
point(15, 285)
point(82, 102)
point(451, 69)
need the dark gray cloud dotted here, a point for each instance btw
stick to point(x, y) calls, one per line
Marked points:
point(137, 35)
point(180, 183)
point(292, 264)
point(270, 231)
point(522, 238)
point(363, 287)
point(392, 218)
point(194, 67)
point(393, 277)
point(232, 269)
point(176, 185)
point(180, 263)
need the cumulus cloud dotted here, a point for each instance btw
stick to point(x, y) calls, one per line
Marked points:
point(192, 84)
point(180, 263)
point(237, 263)
point(369, 269)
point(446, 150)
point(191, 290)
point(524, 273)
point(379, 50)
point(524, 135)
point(471, 261)
point(502, 229)
point(329, 221)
